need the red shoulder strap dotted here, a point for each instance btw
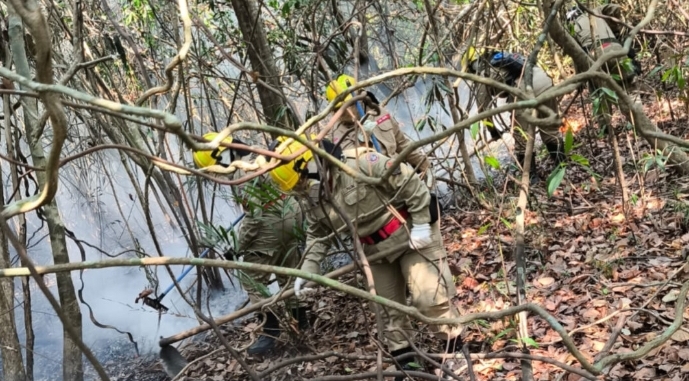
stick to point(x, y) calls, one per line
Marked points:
point(383, 119)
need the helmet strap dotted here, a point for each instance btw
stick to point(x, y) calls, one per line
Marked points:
point(217, 154)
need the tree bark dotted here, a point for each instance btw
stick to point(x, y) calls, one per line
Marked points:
point(275, 107)
point(72, 366)
point(12, 364)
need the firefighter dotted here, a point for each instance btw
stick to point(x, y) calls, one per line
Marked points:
point(381, 133)
point(598, 36)
point(269, 234)
point(394, 214)
point(508, 68)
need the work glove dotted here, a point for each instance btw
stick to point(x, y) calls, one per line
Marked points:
point(420, 236)
point(299, 289)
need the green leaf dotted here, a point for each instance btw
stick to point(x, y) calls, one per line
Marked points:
point(580, 160)
point(648, 165)
point(555, 179)
point(414, 365)
point(680, 81)
point(493, 162)
point(655, 71)
point(474, 130)
point(609, 93)
point(443, 86)
point(420, 124)
point(483, 229)
point(506, 223)
point(666, 75)
point(531, 342)
point(569, 141)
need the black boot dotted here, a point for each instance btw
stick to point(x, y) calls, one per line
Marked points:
point(300, 314)
point(403, 364)
point(557, 152)
point(266, 342)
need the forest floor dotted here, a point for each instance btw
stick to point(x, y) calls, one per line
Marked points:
point(593, 265)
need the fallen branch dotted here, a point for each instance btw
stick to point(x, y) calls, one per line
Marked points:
point(326, 281)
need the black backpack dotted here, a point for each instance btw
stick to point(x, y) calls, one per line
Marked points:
point(511, 63)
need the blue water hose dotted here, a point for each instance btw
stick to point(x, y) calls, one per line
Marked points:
point(185, 272)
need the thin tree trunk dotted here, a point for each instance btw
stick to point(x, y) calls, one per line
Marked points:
point(12, 151)
point(72, 366)
point(275, 108)
point(12, 364)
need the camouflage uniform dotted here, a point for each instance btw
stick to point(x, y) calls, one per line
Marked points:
point(269, 234)
point(425, 272)
point(598, 37)
point(541, 82)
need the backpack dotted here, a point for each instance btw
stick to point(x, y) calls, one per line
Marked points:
point(512, 63)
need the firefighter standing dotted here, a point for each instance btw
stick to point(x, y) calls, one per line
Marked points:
point(508, 68)
point(598, 36)
point(269, 234)
point(395, 214)
point(382, 133)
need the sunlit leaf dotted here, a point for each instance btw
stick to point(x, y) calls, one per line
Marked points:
point(483, 229)
point(531, 342)
point(580, 160)
point(493, 162)
point(666, 75)
point(474, 130)
point(569, 141)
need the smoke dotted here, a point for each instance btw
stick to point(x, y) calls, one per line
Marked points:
point(107, 216)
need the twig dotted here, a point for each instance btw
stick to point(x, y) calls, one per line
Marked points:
point(186, 367)
point(470, 365)
point(659, 340)
point(367, 375)
point(548, 360)
point(613, 337)
point(436, 364)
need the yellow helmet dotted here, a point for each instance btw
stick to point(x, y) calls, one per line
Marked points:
point(338, 86)
point(287, 176)
point(468, 57)
point(204, 159)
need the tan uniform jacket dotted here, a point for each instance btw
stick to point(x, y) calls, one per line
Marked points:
point(387, 131)
point(364, 204)
point(598, 37)
point(273, 222)
point(584, 25)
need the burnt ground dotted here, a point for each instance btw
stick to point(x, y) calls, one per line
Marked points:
point(591, 264)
